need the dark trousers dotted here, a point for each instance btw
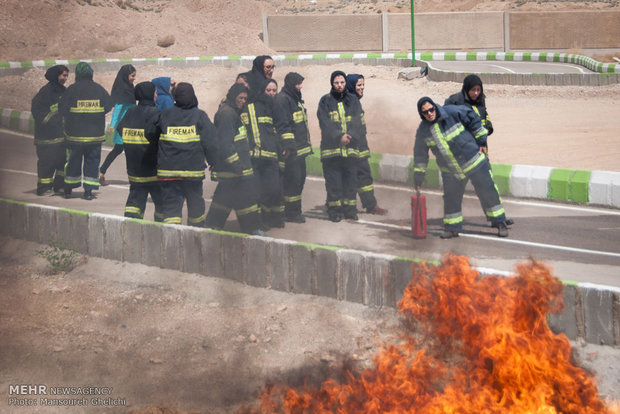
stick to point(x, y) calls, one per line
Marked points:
point(91, 154)
point(51, 161)
point(340, 175)
point(174, 193)
point(239, 194)
point(454, 188)
point(267, 174)
point(116, 151)
point(293, 181)
point(365, 189)
point(136, 201)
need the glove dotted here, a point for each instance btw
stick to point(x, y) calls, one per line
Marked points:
point(418, 178)
point(54, 108)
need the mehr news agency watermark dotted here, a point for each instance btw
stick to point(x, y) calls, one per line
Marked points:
point(30, 395)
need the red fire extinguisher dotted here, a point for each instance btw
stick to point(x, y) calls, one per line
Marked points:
point(418, 216)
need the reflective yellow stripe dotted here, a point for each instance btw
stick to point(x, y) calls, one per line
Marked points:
point(134, 136)
point(50, 141)
point(304, 151)
point(180, 173)
point(228, 174)
point(87, 107)
point(254, 125)
point(197, 220)
point(232, 158)
point(45, 180)
point(446, 150)
point(242, 134)
point(366, 188)
point(244, 211)
point(260, 153)
point(85, 140)
point(288, 135)
point(336, 203)
point(343, 117)
point(172, 220)
point(182, 140)
point(292, 199)
point(134, 210)
point(133, 179)
point(265, 120)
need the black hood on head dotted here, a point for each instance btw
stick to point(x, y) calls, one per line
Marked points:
point(263, 97)
point(469, 82)
point(184, 96)
point(352, 81)
point(258, 64)
point(122, 89)
point(144, 93)
point(421, 102)
point(337, 95)
point(232, 94)
point(54, 72)
point(291, 80)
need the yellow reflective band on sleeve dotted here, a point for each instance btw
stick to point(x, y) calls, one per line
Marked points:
point(364, 154)
point(242, 134)
point(49, 116)
point(260, 153)
point(233, 158)
point(480, 132)
point(141, 180)
point(330, 152)
point(298, 117)
point(287, 135)
point(265, 120)
point(363, 118)
point(304, 151)
point(245, 211)
point(220, 207)
point(87, 107)
point(453, 132)
point(292, 199)
point(228, 174)
point(134, 136)
point(50, 141)
point(180, 174)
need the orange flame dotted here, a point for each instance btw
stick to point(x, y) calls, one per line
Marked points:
point(481, 345)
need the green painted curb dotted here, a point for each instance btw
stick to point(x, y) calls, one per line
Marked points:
point(501, 176)
point(431, 179)
point(375, 161)
point(569, 185)
point(313, 246)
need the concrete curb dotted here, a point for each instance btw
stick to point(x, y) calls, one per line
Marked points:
point(606, 73)
point(547, 183)
point(591, 312)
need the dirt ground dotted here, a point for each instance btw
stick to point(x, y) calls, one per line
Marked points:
point(166, 339)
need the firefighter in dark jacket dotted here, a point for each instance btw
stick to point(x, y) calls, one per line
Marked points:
point(141, 154)
point(185, 135)
point(340, 120)
point(472, 95)
point(455, 135)
point(292, 126)
point(232, 169)
point(83, 108)
point(365, 189)
point(258, 117)
point(48, 132)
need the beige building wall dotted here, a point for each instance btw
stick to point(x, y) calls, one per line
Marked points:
point(565, 30)
point(493, 31)
point(447, 31)
point(326, 33)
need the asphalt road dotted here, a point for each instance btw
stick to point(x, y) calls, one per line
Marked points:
point(580, 243)
point(500, 66)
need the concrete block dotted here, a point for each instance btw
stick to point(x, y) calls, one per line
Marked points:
point(24, 121)
point(47, 225)
point(501, 176)
point(79, 223)
point(402, 273)
point(64, 229)
point(234, 256)
point(191, 249)
point(604, 188)
point(395, 168)
point(411, 73)
point(302, 264)
point(327, 272)
point(132, 241)
point(530, 181)
point(352, 268)
point(96, 235)
point(152, 239)
point(377, 275)
point(211, 246)
point(598, 305)
point(17, 220)
point(5, 219)
point(113, 237)
point(171, 246)
point(281, 264)
point(258, 261)
point(31, 232)
point(566, 322)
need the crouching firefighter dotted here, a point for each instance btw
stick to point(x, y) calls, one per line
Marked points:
point(455, 135)
point(184, 134)
point(140, 154)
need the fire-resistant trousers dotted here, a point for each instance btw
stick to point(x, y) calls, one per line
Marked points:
point(91, 154)
point(239, 194)
point(454, 188)
point(51, 167)
point(365, 189)
point(136, 201)
point(174, 193)
point(293, 181)
point(271, 205)
point(340, 175)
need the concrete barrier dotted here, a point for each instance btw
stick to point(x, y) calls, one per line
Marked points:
point(592, 312)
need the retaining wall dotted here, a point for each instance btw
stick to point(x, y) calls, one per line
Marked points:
point(592, 312)
point(500, 31)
